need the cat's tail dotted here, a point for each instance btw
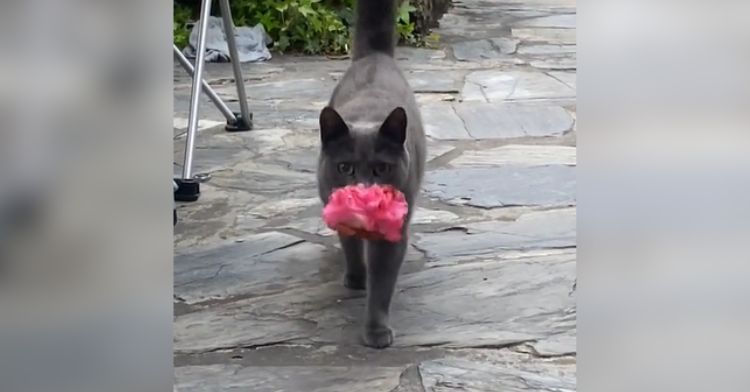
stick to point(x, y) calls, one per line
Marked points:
point(375, 30)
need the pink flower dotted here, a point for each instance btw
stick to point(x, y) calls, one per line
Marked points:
point(374, 212)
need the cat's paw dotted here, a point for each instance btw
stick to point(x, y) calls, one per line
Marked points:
point(380, 337)
point(355, 282)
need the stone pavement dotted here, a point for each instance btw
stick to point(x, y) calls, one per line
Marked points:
point(486, 300)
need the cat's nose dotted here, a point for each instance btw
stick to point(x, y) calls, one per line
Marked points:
point(367, 181)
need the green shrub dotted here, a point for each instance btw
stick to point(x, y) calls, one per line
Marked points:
point(404, 25)
point(306, 26)
point(182, 15)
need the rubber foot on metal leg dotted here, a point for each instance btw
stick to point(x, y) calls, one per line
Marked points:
point(187, 190)
point(241, 124)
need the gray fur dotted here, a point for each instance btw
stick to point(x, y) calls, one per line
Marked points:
point(363, 141)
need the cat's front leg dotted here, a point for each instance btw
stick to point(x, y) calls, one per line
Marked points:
point(356, 273)
point(384, 261)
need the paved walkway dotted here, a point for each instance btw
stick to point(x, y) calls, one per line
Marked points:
point(486, 301)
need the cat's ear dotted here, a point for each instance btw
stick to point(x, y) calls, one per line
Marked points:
point(394, 127)
point(332, 126)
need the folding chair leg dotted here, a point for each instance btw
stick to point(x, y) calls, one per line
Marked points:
point(188, 67)
point(189, 188)
point(245, 119)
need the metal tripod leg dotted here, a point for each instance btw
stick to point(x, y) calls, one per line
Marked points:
point(223, 108)
point(245, 119)
point(189, 189)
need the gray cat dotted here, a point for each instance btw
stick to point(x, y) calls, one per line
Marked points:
point(371, 133)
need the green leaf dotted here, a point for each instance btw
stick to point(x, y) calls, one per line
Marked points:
point(403, 11)
point(306, 11)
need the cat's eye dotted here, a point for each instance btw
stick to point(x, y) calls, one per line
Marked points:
point(381, 169)
point(346, 168)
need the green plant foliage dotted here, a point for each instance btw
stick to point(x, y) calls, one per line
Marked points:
point(404, 25)
point(182, 14)
point(306, 26)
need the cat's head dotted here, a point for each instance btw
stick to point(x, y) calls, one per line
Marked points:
point(364, 153)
